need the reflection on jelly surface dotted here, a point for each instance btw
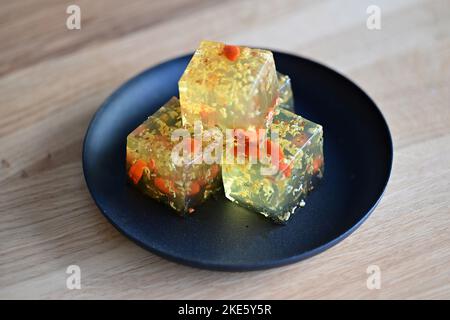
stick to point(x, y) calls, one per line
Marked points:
point(299, 166)
point(150, 167)
point(286, 98)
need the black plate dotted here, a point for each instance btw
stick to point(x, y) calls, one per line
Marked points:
point(221, 235)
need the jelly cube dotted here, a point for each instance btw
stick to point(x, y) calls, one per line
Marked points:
point(286, 98)
point(297, 169)
point(150, 167)
point(229, 87)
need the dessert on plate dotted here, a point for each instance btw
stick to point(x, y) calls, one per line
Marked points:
point(295, 163)
point(277, 155)
point(152, 170)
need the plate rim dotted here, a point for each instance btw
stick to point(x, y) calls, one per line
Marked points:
point(240, 267)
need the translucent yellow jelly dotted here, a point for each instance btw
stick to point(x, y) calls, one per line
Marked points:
point(301, 163)
point(150, 167)
point(229, 87)
point(286, 98)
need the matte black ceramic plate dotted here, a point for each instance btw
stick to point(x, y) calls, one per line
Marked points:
point(222, 235)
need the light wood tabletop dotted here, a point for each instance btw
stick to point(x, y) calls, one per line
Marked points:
point(53, 79)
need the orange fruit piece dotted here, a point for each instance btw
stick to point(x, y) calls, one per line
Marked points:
point(152, 164)
point(317, 163)
point(136, 171)
point(231, 52)
point(286, 169)
point(194, 188)
point(163, 185)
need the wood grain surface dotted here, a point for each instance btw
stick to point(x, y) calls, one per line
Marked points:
point(53, 79)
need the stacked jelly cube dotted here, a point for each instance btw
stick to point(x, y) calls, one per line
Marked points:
point(237, 88)
point(229, 87)
point(281, 188)
point(151, 168)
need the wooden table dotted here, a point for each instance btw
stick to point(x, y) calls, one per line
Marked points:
point(53, 79)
